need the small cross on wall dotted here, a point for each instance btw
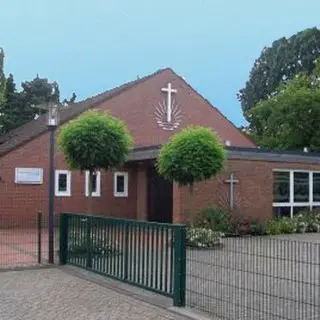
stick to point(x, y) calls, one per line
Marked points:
point(232, 181)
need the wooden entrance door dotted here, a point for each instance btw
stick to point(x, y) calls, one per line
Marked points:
point(160, 197)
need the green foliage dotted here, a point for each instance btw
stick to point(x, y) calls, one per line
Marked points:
point(16, 107)
point(95, 140)
point(203, 238)
point(286, 58)
point(78, 246)
point(291, 118)
point(2, 78)
point(215, 219)
point(229, 222)
point(274, 227)
point(258, 228)
point(192, 155)
point(306, 221)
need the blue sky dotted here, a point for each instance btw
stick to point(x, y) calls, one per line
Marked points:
point(90, 46)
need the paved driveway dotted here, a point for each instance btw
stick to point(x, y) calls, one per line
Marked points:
point(19, 247)
point(257, 278)
point(52, 294)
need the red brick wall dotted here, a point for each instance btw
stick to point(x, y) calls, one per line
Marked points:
point(137, 108)
point(253, 192)
point(17, 199)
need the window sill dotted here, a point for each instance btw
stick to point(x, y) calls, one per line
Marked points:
point(120, 195)
point(63, 195)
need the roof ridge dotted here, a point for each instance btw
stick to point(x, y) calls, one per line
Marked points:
point(37, 127)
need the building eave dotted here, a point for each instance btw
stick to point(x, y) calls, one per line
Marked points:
point(238, 153)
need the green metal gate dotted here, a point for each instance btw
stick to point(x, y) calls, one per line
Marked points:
point(146, 254)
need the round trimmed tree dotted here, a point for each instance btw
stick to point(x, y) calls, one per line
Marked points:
point(94, 141)
point(192, 155)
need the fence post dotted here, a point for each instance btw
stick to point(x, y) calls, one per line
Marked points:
point(39, 226)
point(63, 228)
point(179, 282)
point(89, 243)
point(126, 251)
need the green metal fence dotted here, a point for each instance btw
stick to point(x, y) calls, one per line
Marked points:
point(146, 254)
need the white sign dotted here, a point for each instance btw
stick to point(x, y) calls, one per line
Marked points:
point(29, 175)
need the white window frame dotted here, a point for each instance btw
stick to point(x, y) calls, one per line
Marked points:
point(126, 180)
point(291, 202)
point(97, 193)
point(66, 193)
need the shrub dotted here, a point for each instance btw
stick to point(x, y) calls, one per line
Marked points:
point(287, 225)
point(78, 246)
point(215, 219)
point(258, 228)
point(273, 227)
point(203, 238)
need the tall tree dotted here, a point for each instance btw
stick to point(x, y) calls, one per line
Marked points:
point(291, 118)
point(95, 141)
point(11, 114)
point(2, 77)
point(282, 61)
point(18, 107)
point(192, 155)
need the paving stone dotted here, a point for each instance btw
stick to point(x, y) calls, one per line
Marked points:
point(51, 294)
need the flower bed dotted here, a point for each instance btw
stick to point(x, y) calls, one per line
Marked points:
point(203, 238)
point(307, 222)
point(216, 223)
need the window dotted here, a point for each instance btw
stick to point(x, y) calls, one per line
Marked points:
point(281, 187)
point(95, 184)
point(120, 184)
point(63, 183)
point(301, 186)
point(316, 187)
point(294, 191)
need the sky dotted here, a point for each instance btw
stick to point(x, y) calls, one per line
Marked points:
point(91, 46)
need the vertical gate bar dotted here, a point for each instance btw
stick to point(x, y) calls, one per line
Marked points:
point(98, 246)
point(157, 256)
point(89, 243)
point(148, 255)
point(134, 254)
point(113, 264)
point(63, 228)
point(118, 241)
point(144, 244)
point(39, 223)
point(131, 252)
point(180, 266)
point(104, 241)
point(172, 267)
point(167, 274)
point(139, 252)
point(152, 257)
point(108, 245)
point(126, 250)
point(161, 257)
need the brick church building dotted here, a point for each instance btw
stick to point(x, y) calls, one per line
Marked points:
point(255, 182)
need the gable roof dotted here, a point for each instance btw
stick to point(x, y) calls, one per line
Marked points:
point(27, 132)
point(34, 128)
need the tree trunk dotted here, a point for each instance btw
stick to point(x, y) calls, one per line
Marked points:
point(190, 205)
point(89, 208)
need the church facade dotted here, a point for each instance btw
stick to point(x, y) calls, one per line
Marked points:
point(254, 182)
